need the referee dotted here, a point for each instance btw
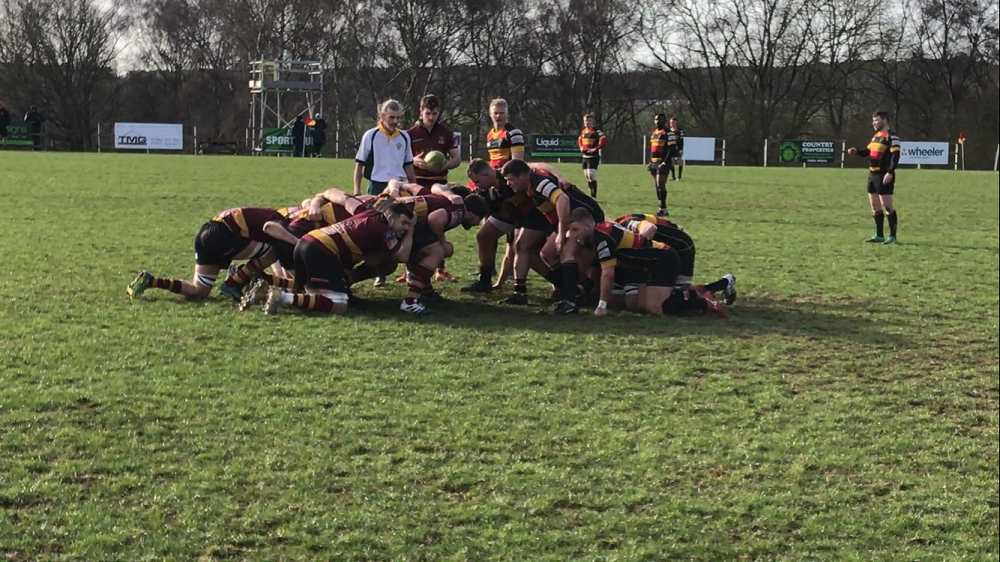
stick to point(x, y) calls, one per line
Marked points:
point(385, 152)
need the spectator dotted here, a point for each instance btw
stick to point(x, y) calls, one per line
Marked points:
point(319, 135)
point(299, 136)
point(34, 119)
point(4, 123)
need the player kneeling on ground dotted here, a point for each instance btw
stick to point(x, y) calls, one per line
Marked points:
point(324, 256)
point(235, 234)
point(654, 267)
point(662, 230)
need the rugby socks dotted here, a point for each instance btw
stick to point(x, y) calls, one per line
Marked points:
point(244, 272)
point(892, 224)
point(305, 301)
point(879, 217)
point(486, 274)
point(661, 194)
point(716, 286)
point(555, 277)
point(593, 187)
point(279, 282)
point(571, 275)
point(521, 286)
point(172, 285)
point(672, 173)
point(421, 278)
point(680, 172)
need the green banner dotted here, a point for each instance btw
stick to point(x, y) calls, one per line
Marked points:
point(278, 140)
point(18, 134)
point(555, 146)
point(804, 151)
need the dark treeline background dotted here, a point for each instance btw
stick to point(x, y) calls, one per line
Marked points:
point(744, 70)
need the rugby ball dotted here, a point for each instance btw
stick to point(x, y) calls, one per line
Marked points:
point(435, 160)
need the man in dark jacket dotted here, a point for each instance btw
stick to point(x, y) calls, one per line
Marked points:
point(319, 135)
point(34, 119)
point(4, 123)
point(298, 137)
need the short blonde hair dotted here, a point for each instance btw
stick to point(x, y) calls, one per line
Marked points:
point(498, 102)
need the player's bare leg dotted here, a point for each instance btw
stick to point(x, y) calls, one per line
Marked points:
point(527, 241)
point(486, 242)
point(430, 257)
point(205, 277)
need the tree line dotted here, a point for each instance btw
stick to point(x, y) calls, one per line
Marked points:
point(743, 70)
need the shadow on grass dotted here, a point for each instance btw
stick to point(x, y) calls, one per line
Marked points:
point(847, 319)
point(964, 248)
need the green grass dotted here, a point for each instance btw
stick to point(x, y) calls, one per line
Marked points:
point(847, 410)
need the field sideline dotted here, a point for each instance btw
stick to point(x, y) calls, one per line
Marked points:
point(847, 409)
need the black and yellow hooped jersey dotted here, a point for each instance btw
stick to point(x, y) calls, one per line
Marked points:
point(883, 152)
point(657, 145)
point(614, 243)
point(501, 143)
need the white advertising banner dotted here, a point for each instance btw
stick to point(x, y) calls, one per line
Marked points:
point(926, 153)
point(699, 149)
point(149, 136)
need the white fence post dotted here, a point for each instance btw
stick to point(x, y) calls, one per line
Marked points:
point(98, 138)
point(196, 139)
point(644, 141)
point(471, 152)
point(723, 153)
point(956, 156)
point(765, 153)
point(843, 153)
point(996, 160)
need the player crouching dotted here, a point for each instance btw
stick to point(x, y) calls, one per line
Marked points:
point(652, 266)
point(323, 258)
point(236, 234)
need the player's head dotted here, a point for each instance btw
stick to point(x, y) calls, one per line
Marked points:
point(580, 225)
point(476, 209)
point(880, 120)
point(498, 112)
point(660, 120)
point(674, 123)
point(483, 176)
point(457, 189)
point(588, 121)
point(518, 174)
point(389, 114)
point(400, 218)
point(430, 110)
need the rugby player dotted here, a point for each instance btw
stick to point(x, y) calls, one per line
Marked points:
point(883, 153)
point(591, 141)
point(507, 212)
point(678, 158)
point(323, 258)
point(244, 233)
point(504, 141)
point(658, 161)
point(662, 230)
point(555, 204)
point(652, 266)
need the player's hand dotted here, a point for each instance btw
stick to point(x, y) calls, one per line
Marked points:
point(564, 183)
point(382, 202)
point(418, 161)
point(315, 211)
point(560, 241)
point(888, 178)
point(600, 312)
point(852, 151)
point(455, 199)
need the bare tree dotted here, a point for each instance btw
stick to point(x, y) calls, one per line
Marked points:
point(63, 58)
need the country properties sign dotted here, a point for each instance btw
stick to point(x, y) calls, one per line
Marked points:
point(554, 146)
point(806, 151)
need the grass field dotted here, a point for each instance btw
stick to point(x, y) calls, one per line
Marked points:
point(847, 409)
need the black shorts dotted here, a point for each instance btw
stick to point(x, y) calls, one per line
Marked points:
point(423, 236)
point(876, 186)
point(535, 220)
point(658, 168)
point(3, 132)
point(682, 243)
point(625, 276)
point(591, 163)
point(664, 269)
point(286, 253)
point(214, 244)
point(317, 269)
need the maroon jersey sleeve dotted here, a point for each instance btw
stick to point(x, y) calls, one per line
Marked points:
point(371, 234)
point(249, 222)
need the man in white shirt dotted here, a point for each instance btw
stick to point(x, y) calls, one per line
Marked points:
point(385, 153)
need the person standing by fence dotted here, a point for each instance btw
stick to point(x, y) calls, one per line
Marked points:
point(34, 119)
point(4, 123)
point(883, 153)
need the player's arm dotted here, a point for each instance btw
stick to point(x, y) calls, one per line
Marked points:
point(277, 231)
point(436, 222)
point(360, 158)
point(604, 248)
point(602, 141)
point(895, 153)
point(680, 143)
point(454, 155)
point(549, 169)
point(863, 152)
point(445, 191)
point(411, 175)
point(580, 145)
point(561, 201)
point(403, 253)
point(516, 144)
point(647, 230)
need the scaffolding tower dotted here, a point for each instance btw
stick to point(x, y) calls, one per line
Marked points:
point(280, 91)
